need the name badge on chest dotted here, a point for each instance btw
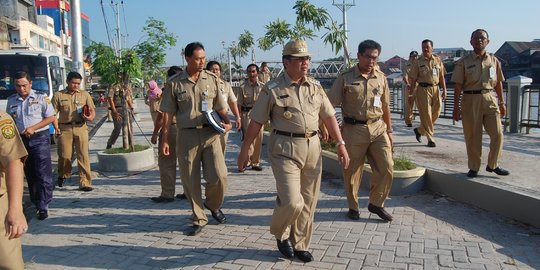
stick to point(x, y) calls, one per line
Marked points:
point(434, 71)
point(491, 72)
point(204, 105)
point(377, 102)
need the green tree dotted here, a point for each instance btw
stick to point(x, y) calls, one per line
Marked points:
point(152, 49)
point(277, 32)
point(118, 71)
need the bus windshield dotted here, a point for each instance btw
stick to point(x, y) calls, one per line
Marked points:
point(35, 66)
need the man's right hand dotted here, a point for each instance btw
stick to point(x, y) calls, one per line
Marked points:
point(153, 140)
point(456, 114)
point(165, 148)
point(117, 116)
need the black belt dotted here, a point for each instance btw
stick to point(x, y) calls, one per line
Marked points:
point(72, 123)
point(353, 121)
point(198, 127)
point(476, 92)
point(246, 109)
point(422, 84)
point(296, 135)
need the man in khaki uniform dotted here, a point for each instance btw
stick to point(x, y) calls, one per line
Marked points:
point(294, 103)
point(167, 164)
point(409, 99)
point(264, 74)
point(189, 94)
point(362, 91)
point(116, 100)
point(73, 132)
point(426, 75)
point(477, 75)
point(12, 221)
point(247, 96)
point(228, 97)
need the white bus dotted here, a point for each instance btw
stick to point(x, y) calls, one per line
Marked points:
point(48, 71)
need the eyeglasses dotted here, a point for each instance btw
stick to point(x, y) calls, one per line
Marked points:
point(301, 59)
point(372, 58)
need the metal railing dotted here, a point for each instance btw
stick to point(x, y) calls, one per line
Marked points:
point(530, 113)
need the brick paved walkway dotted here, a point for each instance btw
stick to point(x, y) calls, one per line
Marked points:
point(118, 227)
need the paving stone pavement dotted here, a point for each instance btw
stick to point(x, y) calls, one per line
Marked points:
point(117, 226)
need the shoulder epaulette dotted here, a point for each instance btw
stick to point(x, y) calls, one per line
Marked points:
point(271, 84)
point(313, 81)
point(210, 74)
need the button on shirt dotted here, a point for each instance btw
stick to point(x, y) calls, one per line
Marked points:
point(30, 111)
point(306, 102)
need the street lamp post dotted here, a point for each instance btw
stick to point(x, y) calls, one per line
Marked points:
point(228, 59)
point(344, 6)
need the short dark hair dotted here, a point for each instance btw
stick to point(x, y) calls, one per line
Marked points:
point(253, 65)
point(74, 75)
point(426, 41)
point(191, 47)
point(211, 63)
point(264, 64)
point(368, 44)
point(173, 70)
point(22, 75)
point(479, 30)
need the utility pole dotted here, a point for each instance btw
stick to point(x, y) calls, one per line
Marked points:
point(76, 38)
point(344, 6)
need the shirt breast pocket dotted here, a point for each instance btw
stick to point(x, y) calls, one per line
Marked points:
point(34, 109)
point(182, 96)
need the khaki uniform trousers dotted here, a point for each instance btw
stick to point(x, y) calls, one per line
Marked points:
point(428, 101)
point(369, 141)
point(297, 167)
point(167, 166)
point(117, 127)
point(10, 250)
point(409, 108)
point(193, 147)
point(256, 147)
point(74, 136)
point(481, 110)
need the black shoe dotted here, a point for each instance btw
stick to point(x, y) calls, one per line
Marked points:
point(218, 215)
point(109, 146)
point(409, 125)
point(195, 229)
point(380, 212)
point(472, 173)
point(498, 170)
point(181, 196)
point(418, 135)
point(86, 189)
point(162, 199)
point(431, 144)
point(256, 168)
point(286, 248)
point(61, 181)
point(304, 256)
point(42, 214)
point(353, 214)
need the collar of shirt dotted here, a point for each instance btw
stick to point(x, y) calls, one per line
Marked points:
point(478, 56)
point(290, 82)
point(32, 95)
point(372, 74)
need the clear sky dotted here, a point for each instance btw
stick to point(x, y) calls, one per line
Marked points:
point(398, 25)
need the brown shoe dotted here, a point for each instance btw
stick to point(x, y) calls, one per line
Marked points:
point(380, 212)
point(86, 189)
point(353, 214)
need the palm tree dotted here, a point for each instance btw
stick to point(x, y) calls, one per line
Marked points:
point(277, 32)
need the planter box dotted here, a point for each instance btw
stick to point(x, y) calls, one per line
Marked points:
point(405, 182)
point(133, 161)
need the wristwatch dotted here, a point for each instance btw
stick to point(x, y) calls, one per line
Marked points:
point(342, 142)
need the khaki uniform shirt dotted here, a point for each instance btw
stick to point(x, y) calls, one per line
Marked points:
point(360, 97)
point(227, 92)
point(248, 93)
point(70, 105)
point(186, 98)
point(11, 147)
point(427, 70)
point(157, 101)
point(406, 72)
point(476, 72)
point(305, 104)
point(117, 95)
point(264, 77)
